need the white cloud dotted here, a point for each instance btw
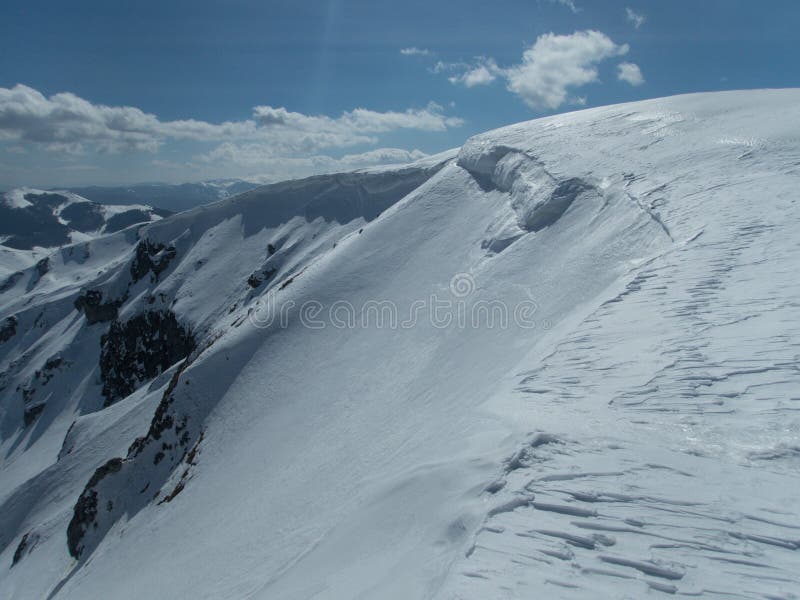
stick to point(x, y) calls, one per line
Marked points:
point(67, 123)
point(556, 63)
point(414, 51)
point(630, 73)
point(484, 73)
point(635, 18)
point(260, 155)
point(570, 4)
point(549, 70)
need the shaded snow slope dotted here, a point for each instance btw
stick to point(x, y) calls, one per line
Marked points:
point(630, 430)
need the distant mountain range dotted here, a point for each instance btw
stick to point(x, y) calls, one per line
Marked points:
point(33, 222)
point(172, 197)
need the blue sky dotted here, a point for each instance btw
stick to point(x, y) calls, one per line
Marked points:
point(122, 92)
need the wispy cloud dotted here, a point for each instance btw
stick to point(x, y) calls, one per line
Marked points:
point(570, 4)
point(630, 73)
point(634, 18)
point(550, 69)
point(414, 51)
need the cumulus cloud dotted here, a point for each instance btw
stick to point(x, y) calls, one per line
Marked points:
point(65, 122)
point(483, 73)
point(356, 122)
point(550, 69)
point(414, 51)
point(556, 63)
point(634, 18)
point(630, 73)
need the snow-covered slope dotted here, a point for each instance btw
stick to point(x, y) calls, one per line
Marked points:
point(560, 363)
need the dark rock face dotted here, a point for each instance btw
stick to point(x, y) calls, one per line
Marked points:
point(151, 258)
point(162, 419)
point(32, 413)
point(11, 281)
point(45, 374)
point(26, 546)
point(41, 377)
point(140, 349)
point(84, 514)
point(91, 304)
point(43, 266)
point(8, 329)
point(259, 277)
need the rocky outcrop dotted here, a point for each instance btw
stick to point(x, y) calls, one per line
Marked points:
point(91, 304)
point(140, 349)
point(11, 281)
point(25, 546)
point(151, 257)
point(43, 266)
point(84, 515)
point(8, 329)
point(41, 377)
point(32, 412)
point(259, 277)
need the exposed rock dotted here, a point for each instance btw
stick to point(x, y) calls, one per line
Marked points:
point(25, 546)
point(259, 277)
point(178, 489)
point(41, 377)
point(91, 304)
point(151, 257)
point(162, 419)
point(140, 349)
point(47, 371)
point(43, 266)
point(32, 413)
point(85, 512)
point(11, 281)
point(8, 329)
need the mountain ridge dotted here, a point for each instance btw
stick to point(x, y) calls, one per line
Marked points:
point(281, 458)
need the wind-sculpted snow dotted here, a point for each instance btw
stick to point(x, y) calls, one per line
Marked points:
point(631, 433)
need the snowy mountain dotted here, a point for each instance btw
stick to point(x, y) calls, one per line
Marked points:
point(173, 197)
point(34, 222)
point(559, 362)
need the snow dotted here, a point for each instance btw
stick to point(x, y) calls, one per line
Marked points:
point(16, 198)
point(636, 435)
point(15, 259)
